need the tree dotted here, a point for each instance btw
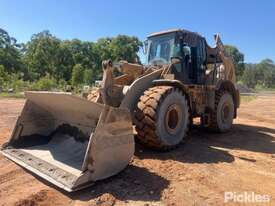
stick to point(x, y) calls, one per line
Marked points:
point(118, 48)
point(45, 83)
point(261, 74)
point(88, 76)
point(125, 48)
point(238, 59)
point(103, 49)
point(3, 73)
point(83, 53)
point(77, 75)
point(10, 53)
point(63, 61)
point(250, 75)
point(3, 77)
point(266, 73)
point(41, 55)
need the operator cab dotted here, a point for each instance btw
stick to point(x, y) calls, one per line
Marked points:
point(187, 49)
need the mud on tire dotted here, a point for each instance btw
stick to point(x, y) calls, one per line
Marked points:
point(162, 117)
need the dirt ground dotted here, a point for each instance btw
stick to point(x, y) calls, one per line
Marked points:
point(197, 173)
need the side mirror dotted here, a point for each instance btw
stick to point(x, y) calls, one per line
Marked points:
point(186, 50)
point(145, 47)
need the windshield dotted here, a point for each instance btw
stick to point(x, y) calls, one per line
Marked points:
point(162, 48)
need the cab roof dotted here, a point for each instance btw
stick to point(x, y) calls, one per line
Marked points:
point(173, 31)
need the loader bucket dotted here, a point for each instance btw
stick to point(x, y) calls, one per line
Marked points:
point(70, 141)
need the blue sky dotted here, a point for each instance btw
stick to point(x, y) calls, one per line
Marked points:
point(249, 25)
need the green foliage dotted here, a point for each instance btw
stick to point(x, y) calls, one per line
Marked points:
point(249, 75)
point(42, 55)
point(118, 48)
point(48, 54)
point(238, 59)
point(45, 83)
point(265, 72)
point(125, 48)
point(47, 59)
point(19, 85)
point(88, 76)
point(260, 75)
point(3, 77)
point(47, 62)
point(3, 73)
point(62, 84)
point(12, 95)
point(10, 53)
point(12, 81)
point(65, 62)
point(77, 75)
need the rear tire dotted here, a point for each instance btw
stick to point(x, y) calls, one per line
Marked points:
point(162, 118)
point(223, 115)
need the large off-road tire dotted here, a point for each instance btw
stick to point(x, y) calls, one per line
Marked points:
point(223, 114)
point(162, 117)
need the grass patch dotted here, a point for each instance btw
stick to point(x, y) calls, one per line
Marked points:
point(259, 89)
point(12, 95)
point(245, 99)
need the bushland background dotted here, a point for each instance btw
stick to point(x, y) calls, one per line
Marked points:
point(47, 62)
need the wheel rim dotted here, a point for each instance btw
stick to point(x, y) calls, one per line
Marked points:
point(225, 114)
point(173, 118)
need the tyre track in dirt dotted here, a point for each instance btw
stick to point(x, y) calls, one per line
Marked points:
point(9, 175)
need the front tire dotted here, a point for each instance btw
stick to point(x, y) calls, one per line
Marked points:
point(162, 117)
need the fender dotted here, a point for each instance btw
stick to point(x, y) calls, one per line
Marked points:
point(174, 83)
point(227, 85)
point(168, 82)
point(137, 88)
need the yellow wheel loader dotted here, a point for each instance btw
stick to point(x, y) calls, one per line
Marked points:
point(73, 142)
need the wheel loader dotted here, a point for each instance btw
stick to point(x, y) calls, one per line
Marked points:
point(73, 142)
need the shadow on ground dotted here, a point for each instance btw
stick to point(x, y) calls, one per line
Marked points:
point(133, 183)
point(249, 138)
point(203, 146)
point(138, 183)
